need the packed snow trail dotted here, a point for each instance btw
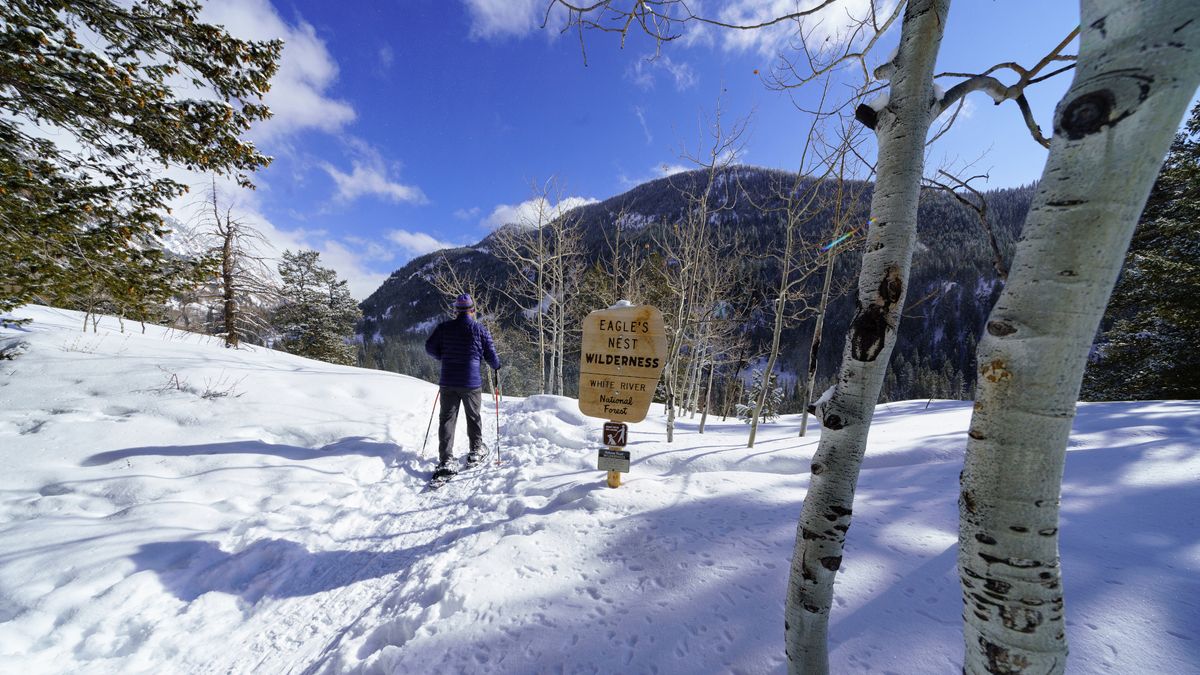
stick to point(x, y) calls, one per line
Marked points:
point(298, 633)
point(171, 506)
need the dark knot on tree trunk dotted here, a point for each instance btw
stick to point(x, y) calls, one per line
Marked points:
point(866, 116)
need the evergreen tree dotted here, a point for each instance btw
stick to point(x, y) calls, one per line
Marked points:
point(88, 211)
point(317, 315)
point(771, 405)
point(1148, 349)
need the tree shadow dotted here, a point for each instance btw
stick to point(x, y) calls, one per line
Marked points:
point(353, 445)
point(698, 585)
point(279, 568)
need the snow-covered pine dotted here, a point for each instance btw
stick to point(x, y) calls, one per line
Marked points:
point(769, 404)
point(901, 129)
point(316, 317)
point(1138, 66)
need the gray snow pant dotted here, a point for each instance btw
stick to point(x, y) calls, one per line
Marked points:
point(448, 420)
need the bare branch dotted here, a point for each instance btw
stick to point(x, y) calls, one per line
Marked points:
point(979, 207)
point(1001, 92)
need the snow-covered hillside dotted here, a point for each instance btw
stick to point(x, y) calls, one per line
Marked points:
point(171, 506)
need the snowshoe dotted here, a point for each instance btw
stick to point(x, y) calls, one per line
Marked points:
point(441, 475)
point(476, 457)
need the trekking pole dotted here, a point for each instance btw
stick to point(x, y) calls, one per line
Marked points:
point(431, 412)
point(496, 398)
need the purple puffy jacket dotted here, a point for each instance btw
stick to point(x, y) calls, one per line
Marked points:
point(459, 344)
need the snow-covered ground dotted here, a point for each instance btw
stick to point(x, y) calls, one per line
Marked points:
point(171, 506)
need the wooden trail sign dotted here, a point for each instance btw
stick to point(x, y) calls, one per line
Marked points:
point(623, 354)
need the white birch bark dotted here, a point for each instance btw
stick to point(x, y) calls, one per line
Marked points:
point(712, 365)
point(901, 127)
point(1139, 65)
point(694, 388)
point(541, 306)
point(814, 345)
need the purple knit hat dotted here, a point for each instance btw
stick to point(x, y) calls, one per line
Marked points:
point(464, 301)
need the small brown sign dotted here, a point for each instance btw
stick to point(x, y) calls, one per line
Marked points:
point(615, 434)
point(623, 353)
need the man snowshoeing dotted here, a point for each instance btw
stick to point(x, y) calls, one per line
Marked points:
point(460, 344)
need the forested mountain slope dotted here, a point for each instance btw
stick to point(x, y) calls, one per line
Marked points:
point(952, 287)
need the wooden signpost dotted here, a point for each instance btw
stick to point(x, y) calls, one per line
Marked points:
point(623, 353)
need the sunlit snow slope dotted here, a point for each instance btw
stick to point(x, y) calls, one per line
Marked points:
point(171, 506)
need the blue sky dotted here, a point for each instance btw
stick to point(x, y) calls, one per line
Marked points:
point(405, 126)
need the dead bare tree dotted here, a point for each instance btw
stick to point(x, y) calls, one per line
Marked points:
point(244, 287)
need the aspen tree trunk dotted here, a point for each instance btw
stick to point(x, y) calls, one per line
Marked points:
point(697, 374)
point(712, 365)
point(541, 315)
point(696, 388)
point(685, 389)
point(697, 371)
point(725, 399)
point(560, 310)
point(766, 379)
point(562, 332)
point(685, 404)
point(814, 346)
point(555, 307)
point(553, 341)
point(901, 128)
point(670, 412)
point(672, 371)
point(1139, 64)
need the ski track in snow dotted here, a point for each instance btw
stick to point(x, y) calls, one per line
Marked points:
point(149, 524)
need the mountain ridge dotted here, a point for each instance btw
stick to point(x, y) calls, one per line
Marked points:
point(952, 286)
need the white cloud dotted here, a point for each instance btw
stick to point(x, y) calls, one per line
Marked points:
point(533, 212)
point(658, 171)
point(644, 70)
point(417, 243)
point(504, 18)
point(663, 170)
point(369, 175)
point(306, 71)
point(467, 214)
point(386, 57)
point(830, 24)
point(641, 115)
point(372, 250)
point(371, 180)
point(499, 19)
point(349, 266)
